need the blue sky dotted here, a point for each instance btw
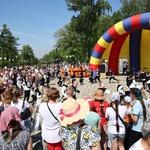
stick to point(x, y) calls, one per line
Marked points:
point(34, 22)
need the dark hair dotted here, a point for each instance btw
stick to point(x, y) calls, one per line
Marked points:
point(138, 94)
point(102, 112)
point(73, 80)
point(53, 94)
point(117, 123)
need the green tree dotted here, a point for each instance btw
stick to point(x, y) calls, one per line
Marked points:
point(67, 46)
point(85, 23)
point(134, 7)
point(27, 56)
point(8, 47)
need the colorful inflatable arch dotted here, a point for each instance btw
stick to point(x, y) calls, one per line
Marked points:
point(114, 37)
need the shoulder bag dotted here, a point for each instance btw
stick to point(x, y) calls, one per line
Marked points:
point(120, 118)
point(79, 137)
point(26, 113)
point(52, 112)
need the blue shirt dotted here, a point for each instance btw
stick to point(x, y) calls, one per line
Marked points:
point(92, 119)
point(137, 109)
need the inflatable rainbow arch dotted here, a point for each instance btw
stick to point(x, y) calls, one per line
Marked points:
point(135, 31)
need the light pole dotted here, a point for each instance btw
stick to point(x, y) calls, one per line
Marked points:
point(67, 58)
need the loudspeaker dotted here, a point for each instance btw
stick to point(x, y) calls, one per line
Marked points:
point(102, 68)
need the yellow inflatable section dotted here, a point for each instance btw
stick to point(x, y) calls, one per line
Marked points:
point(145, 50)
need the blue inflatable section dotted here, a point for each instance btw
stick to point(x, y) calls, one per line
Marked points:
point(135, 40)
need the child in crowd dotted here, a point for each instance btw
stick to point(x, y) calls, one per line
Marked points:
point(70, 92)
point(103, 88)
point(63, 89)
point(120, 90)
point(73, 76)
point(19, 82)
point(128, 120)
point(34, 92)
point(81, 78)
point(115, 126)
point(60, 80)
point(97, 77)
point(26, 87)
point(91, 76)
point(74, 85)
point(100, 106)
point(92, 118)
point(112, 76)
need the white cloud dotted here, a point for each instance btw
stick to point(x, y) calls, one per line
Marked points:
point(47, 31)
point(33, 36)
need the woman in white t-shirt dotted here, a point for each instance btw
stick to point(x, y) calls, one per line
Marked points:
point(116, 128)
point(50, 125)
point(18, 103)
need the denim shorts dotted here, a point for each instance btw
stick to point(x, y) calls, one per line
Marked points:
point(115, 136)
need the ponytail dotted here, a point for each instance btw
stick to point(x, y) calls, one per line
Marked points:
point(117, 123)
point(102, 108)
point(144, 110)
point(138, 94)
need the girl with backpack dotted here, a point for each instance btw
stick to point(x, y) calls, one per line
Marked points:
point(100, 106)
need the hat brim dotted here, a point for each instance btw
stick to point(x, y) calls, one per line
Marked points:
point(84, 110)
point(99, 97)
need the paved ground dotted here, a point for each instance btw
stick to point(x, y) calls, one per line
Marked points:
point(87, 89)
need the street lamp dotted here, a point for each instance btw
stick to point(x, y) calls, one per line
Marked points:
point(68, 57)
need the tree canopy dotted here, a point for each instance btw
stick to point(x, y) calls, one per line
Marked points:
point(9, 53)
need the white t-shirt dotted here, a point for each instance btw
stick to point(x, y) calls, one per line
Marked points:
point(50, 126)
point(19, 104)
point(111, 115)
point(137, 145)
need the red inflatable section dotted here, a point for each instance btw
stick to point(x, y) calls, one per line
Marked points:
point(99, 48)
point(113, 33)
point(115, 51)
point(136, 19)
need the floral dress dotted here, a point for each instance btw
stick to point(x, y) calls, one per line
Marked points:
point(20, 142)
point(90, 137)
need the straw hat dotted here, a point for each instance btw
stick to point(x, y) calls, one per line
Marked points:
point(72, 111)
point(99, 95)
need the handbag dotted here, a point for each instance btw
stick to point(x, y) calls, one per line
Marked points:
point(120, 118)
point(52, 112)
point(79, 137)
point(26, 113)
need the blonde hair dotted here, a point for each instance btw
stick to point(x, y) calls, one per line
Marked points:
point(44, 94)
point(8, 95)
point(53, 94)
point(16, 94)
point(70, 91)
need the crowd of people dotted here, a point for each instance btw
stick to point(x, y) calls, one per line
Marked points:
point(28, 103)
